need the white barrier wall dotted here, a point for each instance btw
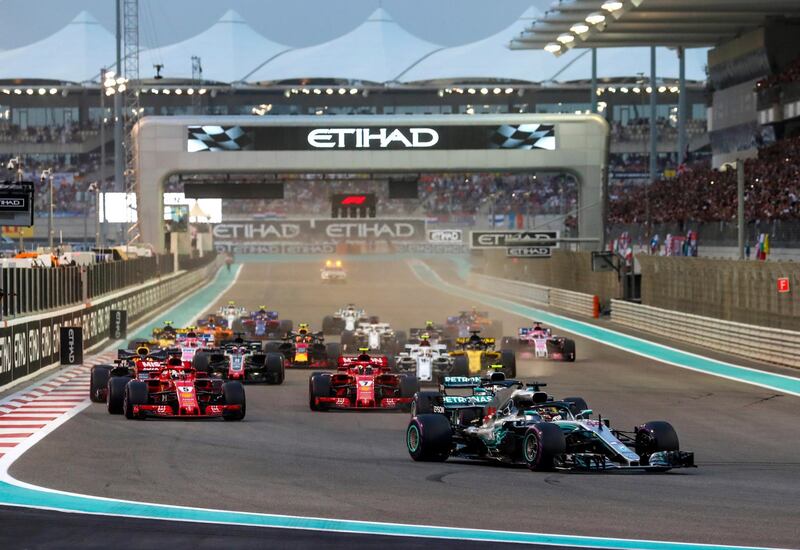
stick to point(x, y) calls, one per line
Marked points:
point(574, 302)
point(755, 342)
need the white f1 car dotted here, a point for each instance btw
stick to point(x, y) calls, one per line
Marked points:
point(374, 336)
point(428, 361)
point(333, 272)
point(346, 319)
point(232, 315)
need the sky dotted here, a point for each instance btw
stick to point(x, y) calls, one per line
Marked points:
point(290, 22)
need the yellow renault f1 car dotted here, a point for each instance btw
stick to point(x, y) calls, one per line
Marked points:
point(475, 355)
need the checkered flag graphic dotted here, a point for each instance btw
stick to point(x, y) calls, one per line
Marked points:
point(217, 138)
point(524, 136)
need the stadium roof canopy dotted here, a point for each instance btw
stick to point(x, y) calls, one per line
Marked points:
point(378, 50)
point(618, 65)
point(228, 50)
point(73, 54)
point(486, 59)
point(620, 23)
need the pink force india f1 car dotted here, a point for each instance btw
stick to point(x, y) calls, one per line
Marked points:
point(539, 342)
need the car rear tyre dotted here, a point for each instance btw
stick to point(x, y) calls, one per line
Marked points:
point(333, 350)
point(429, 438)
point(460, 365)
point(496, 329)
point(409, 386)
point(285, 326)
point(424, 401)
point(319, 385)
point(569, 350)
point(200, 361)
point(274, 368)
point(509, 361)
point(135, 394)
point(115, 399)
point(348, 341)
point(233, 394)
point(98, 382)
point(655, 436)
point(542, 444)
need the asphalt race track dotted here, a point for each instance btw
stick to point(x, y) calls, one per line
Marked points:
point(285, 459)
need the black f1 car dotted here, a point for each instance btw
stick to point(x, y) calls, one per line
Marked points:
point(520, 424)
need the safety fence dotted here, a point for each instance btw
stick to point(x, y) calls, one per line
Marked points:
point(755, 342)
point(26, 291)
point(31, 343)
point(778, 346)
point(574, 302)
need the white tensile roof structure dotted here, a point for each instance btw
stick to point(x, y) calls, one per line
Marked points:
point(228, 50)
point(486, 59)
point(378, 50)
point(73, 54)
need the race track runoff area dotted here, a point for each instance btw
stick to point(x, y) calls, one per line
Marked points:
point(349, 474)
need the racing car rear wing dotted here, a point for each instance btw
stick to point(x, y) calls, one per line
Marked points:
point(462, 381)
point(458, 401)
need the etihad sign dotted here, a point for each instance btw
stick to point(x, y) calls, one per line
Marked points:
point(373, 138)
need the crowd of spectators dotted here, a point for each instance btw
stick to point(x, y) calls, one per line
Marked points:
point(445, 196)
point(639, 129)
point(772, 192)
point(791, 73)
point(12, 133)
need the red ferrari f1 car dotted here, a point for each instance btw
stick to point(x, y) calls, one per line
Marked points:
point(176, 391)
point(361, 382)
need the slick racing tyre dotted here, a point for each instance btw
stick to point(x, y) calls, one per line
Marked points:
point(429, 438)
point(348, 341)
point(569, 350)
point(285, 326)
point(409, 386)
point(274, 368)
point(98, 382)
point(319, 385)
point(333, 350)
point(424, 401)
point(495, 329)
point(116, 394)
point(460, 365)
point(576, 404)
point(135, 394)
point(233, 394)
point(328, 324)
point(542, 444)
point(655, 436)
point(509, 361)
point(200, 361)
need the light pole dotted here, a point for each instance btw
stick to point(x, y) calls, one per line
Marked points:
point(47, 176)
point(15, 165)
point(94, 187)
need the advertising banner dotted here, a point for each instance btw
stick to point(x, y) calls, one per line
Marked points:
point(503, 239)
point(320, 230)
point(118, 324)
point(370, 137)
point(71, 346)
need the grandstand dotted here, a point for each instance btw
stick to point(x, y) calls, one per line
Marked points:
point(50, 107)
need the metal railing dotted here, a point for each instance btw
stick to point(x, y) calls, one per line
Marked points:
point(760, 343)
point(27, 291)
point(574, 302)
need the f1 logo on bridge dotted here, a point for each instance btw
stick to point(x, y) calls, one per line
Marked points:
point(783, 285)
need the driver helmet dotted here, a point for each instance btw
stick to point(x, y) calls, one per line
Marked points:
point(175, 362)
point(428, 324)
point(425, 340)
